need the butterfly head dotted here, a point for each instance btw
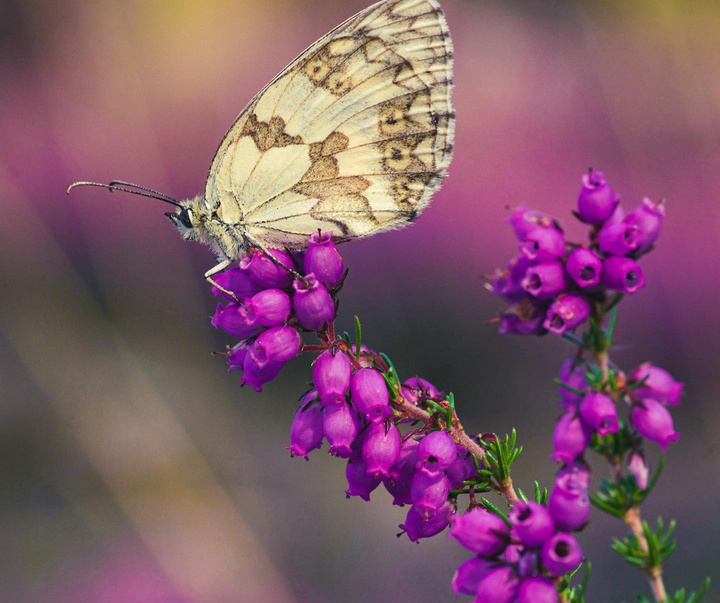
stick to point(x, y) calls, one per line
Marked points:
point(196, 222)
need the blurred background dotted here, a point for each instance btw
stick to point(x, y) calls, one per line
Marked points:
point(134, 469)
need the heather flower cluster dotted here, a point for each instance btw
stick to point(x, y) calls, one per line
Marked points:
point(554, 285)
point(518, 559)
point(270, 303)
point(406, 436)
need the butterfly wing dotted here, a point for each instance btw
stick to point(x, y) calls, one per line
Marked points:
point(353, 137)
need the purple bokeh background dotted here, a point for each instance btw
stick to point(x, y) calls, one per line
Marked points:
point(134, 469)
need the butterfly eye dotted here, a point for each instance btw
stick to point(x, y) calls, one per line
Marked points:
point(185, 217)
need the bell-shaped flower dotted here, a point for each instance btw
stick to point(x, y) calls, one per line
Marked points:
point(323, 260)
point(566, 312)
point(266, 273)
point(545, 280)
point(543, 245)
point(597, 200)
point(654, 422)
point(599, 412)
point(313, 305)
point(561, 554)
point(306, 430)
point(658, 384)
point(532, 523)
point(369, 394)
point(622, 274)
point(481, 532)
point(584, 267)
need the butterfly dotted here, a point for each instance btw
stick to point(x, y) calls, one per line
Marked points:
point(354, 136)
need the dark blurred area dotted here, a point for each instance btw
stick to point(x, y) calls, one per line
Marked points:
point(133, 469)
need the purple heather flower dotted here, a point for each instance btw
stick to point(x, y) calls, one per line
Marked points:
point(545, 280)
point(577, 472)
point(277, 344)
point(523, 220)
point(572, 374)
point(380, 448)
point(341, 426)
point(599, 412)
point(638, 468)
point(418, 526)
point(256, 375)
point(597, 200)
point(429, 492)
point(566, 312)
point(537, 589)
point(654, 422)
point(481, 532)
point(306, 431)
point(236, 355)
point(323, 260)
point(543, 245)
point(648, 218)
point(238, 281)
point(619, 238)
point(498, 585)
point(370, 395)
point(416, 390)
point(332, 371)
point(584, 267)
point(361, 482)
point(462, 468)
point(658, 384)
point(569, 503)
point(229, 318)
point(312, 303)
point(508, 283)
point(532, 523)
point(268, 308)
point(436, 452)
point(561, 554)
point(622, 274)
point(570, 438)
point(527, 561)
point(401, 473)
point(266, 273)
point(468, 575)
point(524, 318)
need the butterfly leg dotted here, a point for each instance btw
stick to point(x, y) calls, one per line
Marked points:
point(222, 265)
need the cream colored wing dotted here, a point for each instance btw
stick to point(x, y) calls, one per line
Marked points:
point(353, 137)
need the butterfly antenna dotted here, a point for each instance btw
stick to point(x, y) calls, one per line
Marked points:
point(128, 187)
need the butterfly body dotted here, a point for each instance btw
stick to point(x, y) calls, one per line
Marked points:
point(353, 137)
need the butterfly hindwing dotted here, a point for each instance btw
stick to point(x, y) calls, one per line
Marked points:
point(354, 136)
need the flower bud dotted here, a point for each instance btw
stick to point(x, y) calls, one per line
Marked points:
point(498, 585)
point(584, 267)
point(229, 318)
point(597, 200)
point(543, 245)
point(340, 425)
point(622, 274)
point(523, 220)
point(620, 238)
point(429, 492)
point(436, 452)
point(418, 526)
point(360, 481)
point(481, 532)
point(638, 468)
point(380, 449)
point(323, 260)
point(598, 411)
point(306, 431)
point(237, 281)
point(312, 303)
point(654, 422)
point(256, 375)
point(331, 373)
point(468, 575)
point(266, 273)
point(545, 280)
point(561, 554)
point(532, 522)
point(277, 344)
point(570, 438)
point(268, 308)
point(537, 589)
point(370, 395)
point(648, 218)
point(658, 384)
point(566, 312)
point(569, 503)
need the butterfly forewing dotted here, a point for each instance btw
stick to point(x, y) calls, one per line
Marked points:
point(353, 137)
